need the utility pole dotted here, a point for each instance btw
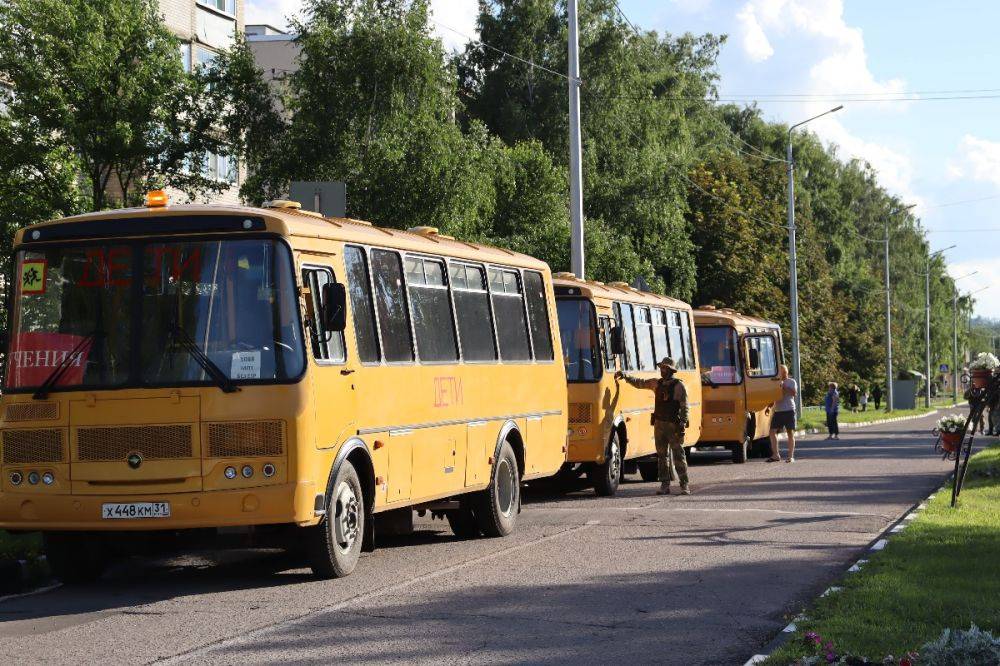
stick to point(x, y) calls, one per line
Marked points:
point(793, 266)
point(927, 323)
point(888, 314)
point(575, 148)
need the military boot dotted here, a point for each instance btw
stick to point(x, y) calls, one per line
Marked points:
point(664, 489)
point(685, 490)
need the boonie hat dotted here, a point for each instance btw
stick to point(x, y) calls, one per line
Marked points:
point(667, 362)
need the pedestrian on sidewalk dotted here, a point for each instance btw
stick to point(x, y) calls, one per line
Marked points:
point(877, 396)
point(670, 420)
point(784, 416)
point(864, 400)
point(831, 402)
point(852, 397)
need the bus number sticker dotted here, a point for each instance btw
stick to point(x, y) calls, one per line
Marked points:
point(246, 365)
point(33, 276)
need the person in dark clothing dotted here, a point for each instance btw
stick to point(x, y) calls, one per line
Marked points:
point(877, 396)
point(831, 402)
point(852, 398)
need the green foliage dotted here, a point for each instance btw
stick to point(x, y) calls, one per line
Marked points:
point(962, 648)
point(99, 85)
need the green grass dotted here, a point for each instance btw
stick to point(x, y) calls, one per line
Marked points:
point(941, 572)
point(816, 418)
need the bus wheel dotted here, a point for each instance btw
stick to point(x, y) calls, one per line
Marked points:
point(607, 476)
point(463, 522)
point(335, 544)
point(741, 450)
point(497, 506)
point(75, 557)
point(649, 470)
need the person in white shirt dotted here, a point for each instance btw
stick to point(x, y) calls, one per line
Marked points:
point(784, 416)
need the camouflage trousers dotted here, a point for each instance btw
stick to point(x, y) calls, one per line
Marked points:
point(672, 462)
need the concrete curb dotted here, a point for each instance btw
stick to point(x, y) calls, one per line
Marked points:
point(878, 543)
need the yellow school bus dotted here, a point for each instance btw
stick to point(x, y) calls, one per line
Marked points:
point(740, 356)
point(610, 327)
point(270, 371)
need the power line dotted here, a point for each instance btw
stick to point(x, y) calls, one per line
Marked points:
point(964, 201)
point(626, 18)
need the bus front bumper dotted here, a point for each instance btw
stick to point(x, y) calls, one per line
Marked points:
point(268, 505)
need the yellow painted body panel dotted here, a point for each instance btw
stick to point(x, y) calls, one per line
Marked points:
point(728, 409)
point(431, 429)
point(614, 402)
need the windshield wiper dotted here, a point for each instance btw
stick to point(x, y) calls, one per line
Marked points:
point(220, 378)
point(42, 391)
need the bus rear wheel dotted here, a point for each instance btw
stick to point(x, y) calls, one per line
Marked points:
point(496, 507)
point(607, 475)
point(75, 557)
point(649, 470)
point(335, 544)
point(741, 450)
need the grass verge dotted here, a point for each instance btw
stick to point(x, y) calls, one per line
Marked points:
point(940, 572)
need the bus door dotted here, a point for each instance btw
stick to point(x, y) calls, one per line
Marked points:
point(760, 357)
point(333, 378)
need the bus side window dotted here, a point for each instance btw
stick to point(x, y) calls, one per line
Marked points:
point(432, 319)
point(688, 346)
point(326, 345)
point(472, 309)
point(676, 338)
point(538, 315)
point(660, 348)
point(628, 335)
point(763, 358)
point(644, 337)
point(609, 358)
point(390, 302)
point(508, 307)
point(359, 286)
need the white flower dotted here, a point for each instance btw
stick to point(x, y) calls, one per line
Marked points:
point(951, 423)
point(985, 361)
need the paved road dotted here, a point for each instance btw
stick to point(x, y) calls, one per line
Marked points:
point(705, 579)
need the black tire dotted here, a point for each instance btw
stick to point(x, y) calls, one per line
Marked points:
point(741, 450)
point(463, 523)
point(496, 507)
point(75, 557)
point(606, 476)
point(335, 544)
point(649, 470)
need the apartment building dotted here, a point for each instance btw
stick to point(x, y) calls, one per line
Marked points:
point(206, 27)
point(275, 51)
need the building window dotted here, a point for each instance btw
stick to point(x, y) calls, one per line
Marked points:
point(219, 167)
point(227, 6)
point(204, 57)
point(186, 56)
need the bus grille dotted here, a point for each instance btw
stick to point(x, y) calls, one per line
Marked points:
point(720, 406)
point(245, 438)
point(32, 446)
point(579, 412)
point(161, 442)
point(31, 411)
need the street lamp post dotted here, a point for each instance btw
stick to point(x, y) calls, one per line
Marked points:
point(927, 323)
point(954, 337)
point(888, 314)
point(793, 271)
point(575, 147)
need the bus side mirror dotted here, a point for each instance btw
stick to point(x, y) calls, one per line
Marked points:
point(334, 304)
point(617, 341)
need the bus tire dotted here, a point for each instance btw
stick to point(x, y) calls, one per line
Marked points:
point(75, 557)
point(335, 544)
point(741, 450)
point(606, 476)
point(463, 522)
point(649, 470)
point(496, 507)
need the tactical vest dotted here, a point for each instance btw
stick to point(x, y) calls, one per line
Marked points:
point(666, 408)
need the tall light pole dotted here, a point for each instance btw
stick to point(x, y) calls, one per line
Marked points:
point(575, 148)
point(793, 271)
point(888, 313)
point(927, 322)
point(954, 336)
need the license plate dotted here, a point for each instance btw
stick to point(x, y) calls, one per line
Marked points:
point(135, 510)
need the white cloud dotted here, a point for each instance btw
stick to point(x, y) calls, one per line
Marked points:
point(977, 159)
point(755, 43)
point(988, 301)
point(457, 14)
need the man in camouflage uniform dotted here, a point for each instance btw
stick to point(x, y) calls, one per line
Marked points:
point(670, 419)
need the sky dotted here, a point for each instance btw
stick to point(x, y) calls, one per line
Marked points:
point(936, 153)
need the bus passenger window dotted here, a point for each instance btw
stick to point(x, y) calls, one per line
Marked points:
point(432, 321)
point(686, 335)
point(538, 315)
point(390, 300)
point(628, 336)
point(508, 307)
point(676, 338)
point(472, 309)
point(326, 345)
point(359, 287)
point(609, 358)
point(660, 348)
point(644, 336)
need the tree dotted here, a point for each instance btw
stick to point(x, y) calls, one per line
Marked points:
point(102, 81)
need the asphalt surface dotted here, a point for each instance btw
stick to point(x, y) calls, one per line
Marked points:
point(705, 579)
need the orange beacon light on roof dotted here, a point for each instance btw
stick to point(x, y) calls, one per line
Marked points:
point(156, 199)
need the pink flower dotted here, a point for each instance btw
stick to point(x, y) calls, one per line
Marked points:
point(831, 657)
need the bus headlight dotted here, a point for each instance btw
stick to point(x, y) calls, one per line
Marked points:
point(268, 470)
point(33, 478)
point(16, 478)
point(48, 479)
point(230, 472)
point(247, 471)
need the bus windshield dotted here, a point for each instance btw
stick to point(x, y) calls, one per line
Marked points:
point(717, 349)
point(137, 314)
point(578, 330)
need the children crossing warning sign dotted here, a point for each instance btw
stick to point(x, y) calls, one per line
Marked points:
point(33, 276)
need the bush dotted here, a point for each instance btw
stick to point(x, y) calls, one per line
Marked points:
point(962, 648)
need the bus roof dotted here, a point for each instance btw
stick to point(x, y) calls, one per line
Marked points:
point(707, 315)
point(616, 291)
point(303, 225)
